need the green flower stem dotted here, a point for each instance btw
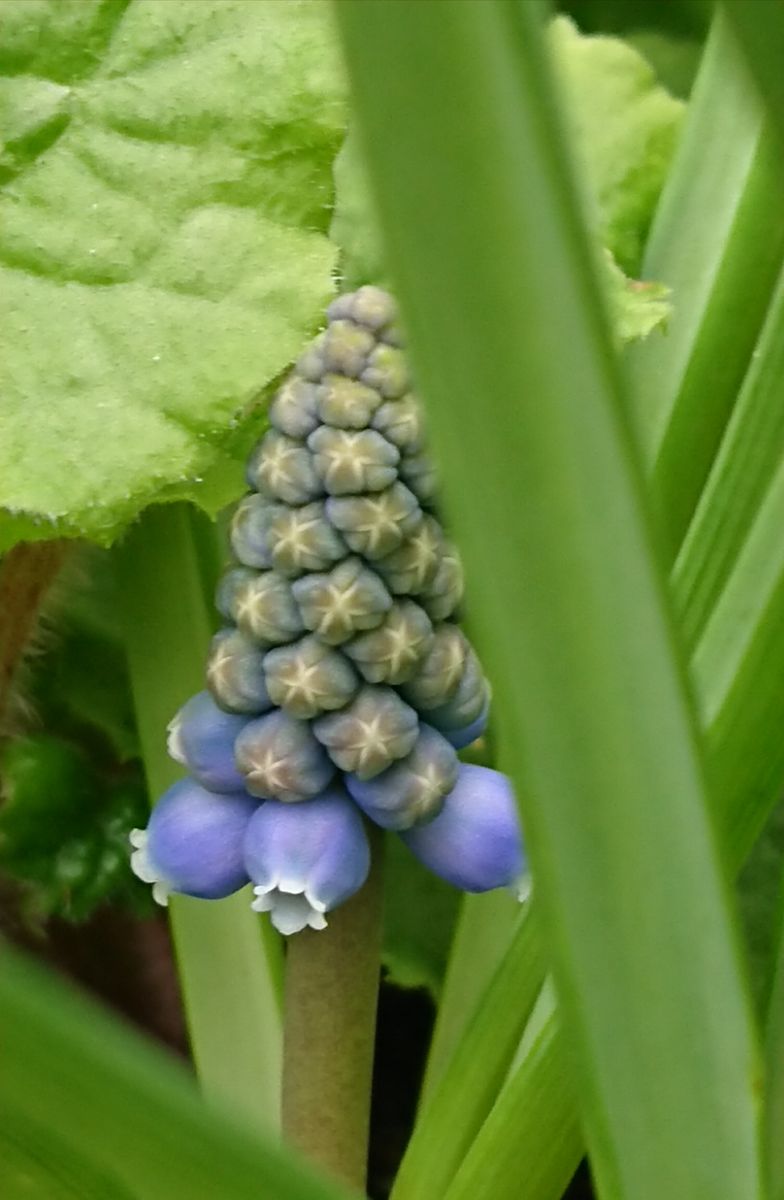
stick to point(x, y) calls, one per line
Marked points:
point(331, 996)
point(229, 969)
point(26, 575)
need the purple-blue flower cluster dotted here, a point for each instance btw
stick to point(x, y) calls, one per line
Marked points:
point(342, 686)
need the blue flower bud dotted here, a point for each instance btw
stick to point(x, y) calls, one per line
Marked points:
point(310, 364)
point(250, 528)
point(346, 403)
point(440, 671)
point(441, 597)
point(348, 461)
point(413, 790)
point(281, 759)
point(308, 678)
point(201, 737)
point(387, 372)
point(228, 587)
point(460, 738)
point(302, 539)
point(418, 472)
point(401, 423)
point(375, 525)
point(369, 306)
point(392, 652)
point(306, 859)
point(264, 608)
point(371, 733)
point(235, 673)
point(413, 566)
point(282, 468)
point(468, 702)
point(343, 601)
point(475, 841)
point(294, 411)
point(346, 347)
point(193, 843)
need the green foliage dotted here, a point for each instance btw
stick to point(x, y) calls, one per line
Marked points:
point(419, 916)
point(167, 189)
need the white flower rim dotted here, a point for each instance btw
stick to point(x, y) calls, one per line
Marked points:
point(291, 906)
point(144, 868)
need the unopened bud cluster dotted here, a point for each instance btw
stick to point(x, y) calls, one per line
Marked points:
point(342, 678)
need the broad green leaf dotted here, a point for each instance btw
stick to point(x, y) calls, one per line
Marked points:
point(717, 241)
point(84, 1089)
point(758, 27)
point(163, 242)
point(625, 129)
point(674, 59)
point(759, 888)
point(516, 367)
point(37, 1165)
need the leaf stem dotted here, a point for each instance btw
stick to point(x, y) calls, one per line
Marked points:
point(329, 1029)
point(27, 573)
point(226, 957)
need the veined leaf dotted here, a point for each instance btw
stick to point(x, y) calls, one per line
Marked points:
point(125, 1118)
point(163, 250)
point(575, 635)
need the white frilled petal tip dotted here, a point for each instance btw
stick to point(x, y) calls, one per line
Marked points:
point(290, 907)
point(174, 746)
point(521, 888)
point(144, 869)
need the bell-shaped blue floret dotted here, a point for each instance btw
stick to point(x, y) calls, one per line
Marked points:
point(412, 790)
point(280, 759)
point(193, 843)
point(475, 842)
point(201, 737)
point(306, 859)
point(235, 673)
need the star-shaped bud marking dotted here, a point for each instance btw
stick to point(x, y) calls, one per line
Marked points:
point(392, 653)
point(413, 566)
point(387, 372)
point(309, 678)
point(346, 348)
point(340, 603)
point(413, 789)
point(283, 469)
point(351, 461)
point(249, 530)
point(375, 730)
point(265, 609)
point(302, 539)
point(401, 423)
point(235, 673)
point(346, 403)
point(294, 411)
point(440, 671)
point(375, 525)
point(443, 594)
point(281, 759)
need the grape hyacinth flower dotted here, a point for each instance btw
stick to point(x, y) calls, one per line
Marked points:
point(305, 859)
point(342, 687)
point(193, 843)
